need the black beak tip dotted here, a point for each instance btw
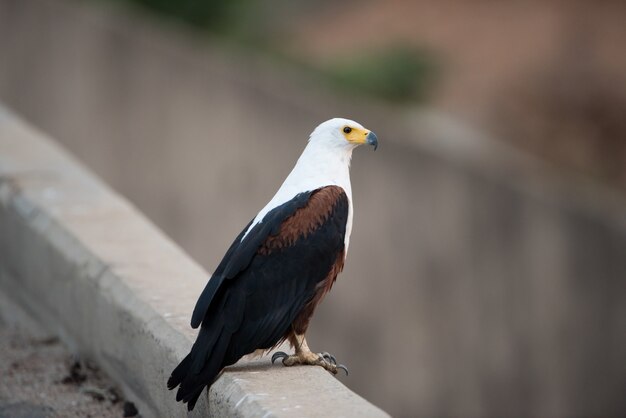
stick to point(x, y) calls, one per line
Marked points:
point(372, 140)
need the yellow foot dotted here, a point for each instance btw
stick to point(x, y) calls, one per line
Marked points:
point(324, 360)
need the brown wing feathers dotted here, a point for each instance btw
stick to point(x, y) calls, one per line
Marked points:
point(305, 220)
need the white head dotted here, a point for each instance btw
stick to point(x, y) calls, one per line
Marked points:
point(325, 161)
point(342, 133)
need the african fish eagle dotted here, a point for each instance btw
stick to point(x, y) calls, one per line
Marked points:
point(279, 268)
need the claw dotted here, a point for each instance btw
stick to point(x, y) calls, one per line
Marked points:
point(329, 357)
point(278, 355)
point(342, 367)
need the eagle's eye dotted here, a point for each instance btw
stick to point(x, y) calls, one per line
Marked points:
point(347, 129)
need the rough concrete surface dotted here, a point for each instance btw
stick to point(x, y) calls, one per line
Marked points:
point(42, 379)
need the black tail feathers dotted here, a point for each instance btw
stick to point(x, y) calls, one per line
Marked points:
point(179, 373)
point(200, 367)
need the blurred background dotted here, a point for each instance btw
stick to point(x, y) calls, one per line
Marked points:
point(487, 271)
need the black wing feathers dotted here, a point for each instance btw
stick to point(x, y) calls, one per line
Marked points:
point(240, 253)
point(216, 279)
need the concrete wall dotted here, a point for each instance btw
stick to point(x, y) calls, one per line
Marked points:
point(479, 282)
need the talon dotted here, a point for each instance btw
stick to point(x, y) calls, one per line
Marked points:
point(342, 367)
point(278, 355)
point(329, 357)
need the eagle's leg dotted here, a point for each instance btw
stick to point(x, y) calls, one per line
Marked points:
point(304, 355)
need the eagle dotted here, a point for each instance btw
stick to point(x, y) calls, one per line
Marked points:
point(279, 268)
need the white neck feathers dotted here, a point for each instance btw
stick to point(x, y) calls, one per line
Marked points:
point(319, 165)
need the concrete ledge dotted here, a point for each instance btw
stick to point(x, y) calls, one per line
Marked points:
point(85, 264)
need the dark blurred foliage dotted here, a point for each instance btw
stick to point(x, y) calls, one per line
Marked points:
point(396, 73)
point(214, 15)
